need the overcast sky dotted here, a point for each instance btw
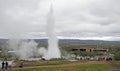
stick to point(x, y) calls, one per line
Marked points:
point(84, 19)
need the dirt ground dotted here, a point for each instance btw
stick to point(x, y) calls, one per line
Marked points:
point(63, 65)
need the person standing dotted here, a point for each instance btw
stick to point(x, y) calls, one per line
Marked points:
point(3, 65)
point(6, 65)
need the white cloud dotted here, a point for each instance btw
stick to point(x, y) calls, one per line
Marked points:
point(74, 18)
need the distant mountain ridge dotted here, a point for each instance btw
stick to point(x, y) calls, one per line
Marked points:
point(77, 41)
point(3, 41)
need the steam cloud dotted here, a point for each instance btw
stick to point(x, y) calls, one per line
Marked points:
point(25, 49)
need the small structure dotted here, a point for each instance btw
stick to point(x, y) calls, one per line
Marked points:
point(90, 50)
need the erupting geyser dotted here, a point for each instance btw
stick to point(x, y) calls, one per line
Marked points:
point(53, 49)
point(26, 49)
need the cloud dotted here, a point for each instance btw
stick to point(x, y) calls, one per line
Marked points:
point(74, 18)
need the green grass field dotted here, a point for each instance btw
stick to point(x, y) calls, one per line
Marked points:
point(84, 67)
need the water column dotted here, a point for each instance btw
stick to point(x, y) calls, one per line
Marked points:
point(53, 49)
